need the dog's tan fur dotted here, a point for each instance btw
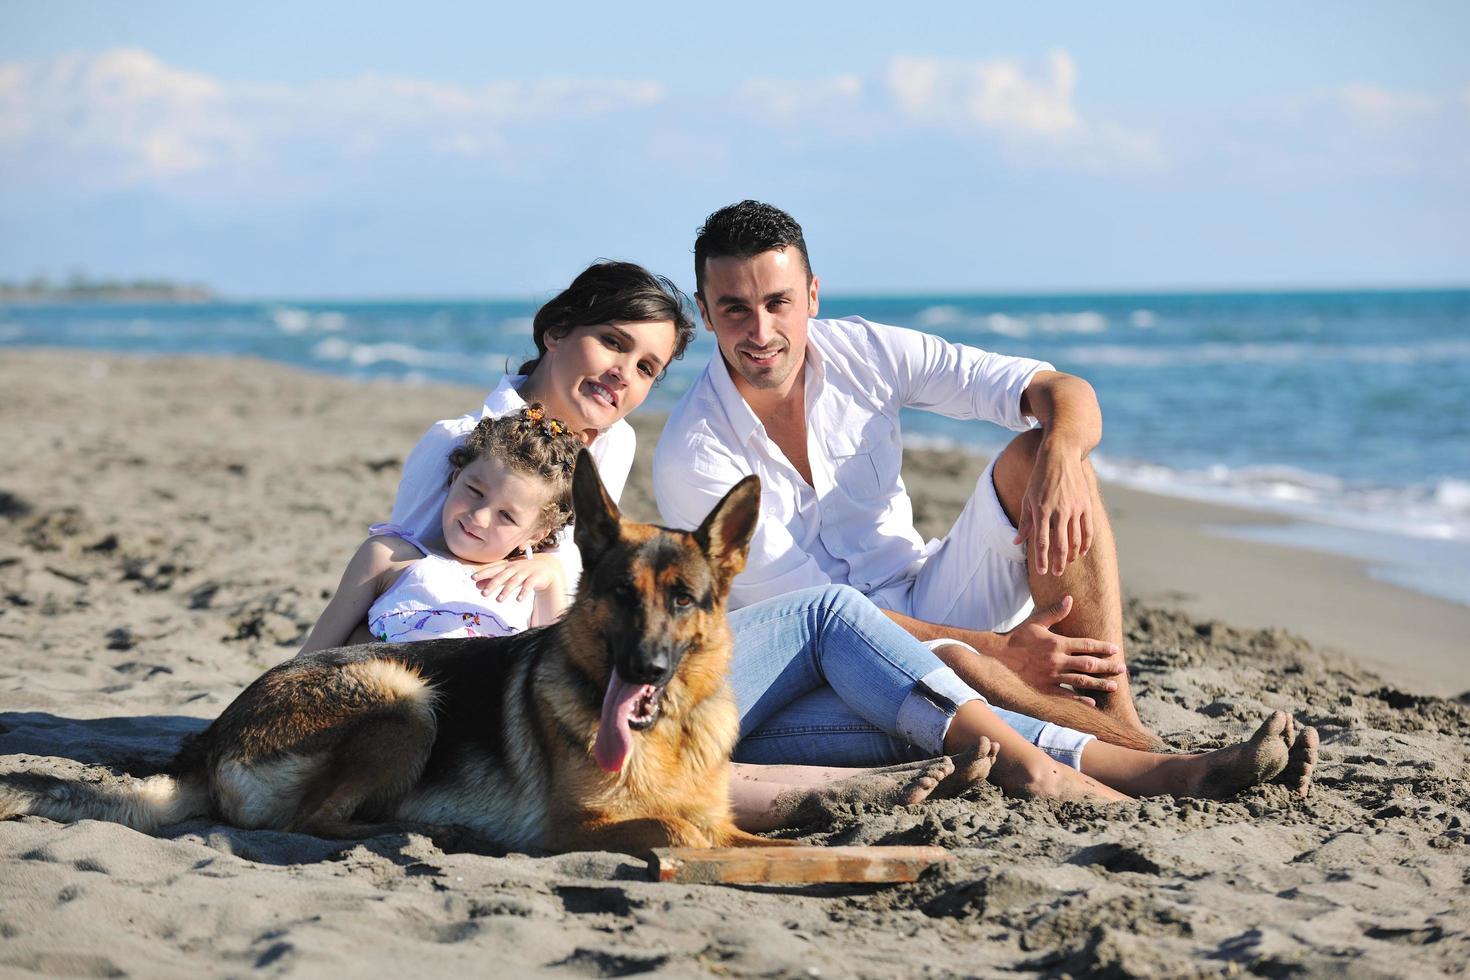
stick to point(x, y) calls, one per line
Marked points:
point(494, 735)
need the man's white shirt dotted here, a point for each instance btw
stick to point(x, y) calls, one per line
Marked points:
point(424, 486)
point(854, 523)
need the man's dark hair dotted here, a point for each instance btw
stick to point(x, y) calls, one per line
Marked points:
point(744, 231)
point(609, 291)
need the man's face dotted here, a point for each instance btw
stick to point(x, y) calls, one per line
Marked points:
point(757, 309)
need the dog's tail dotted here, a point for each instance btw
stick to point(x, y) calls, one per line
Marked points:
point(144, 804)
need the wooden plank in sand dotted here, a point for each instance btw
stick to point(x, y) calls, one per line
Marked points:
point(793, 865)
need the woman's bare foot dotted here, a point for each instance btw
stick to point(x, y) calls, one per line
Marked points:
point(1225, 772)
point(971, 768)
point(1301, 759)
point(902, 785)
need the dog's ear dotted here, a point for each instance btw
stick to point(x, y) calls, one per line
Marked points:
point(725, 534)
point(596, 524)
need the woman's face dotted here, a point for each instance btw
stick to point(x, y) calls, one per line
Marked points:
point(595, 375)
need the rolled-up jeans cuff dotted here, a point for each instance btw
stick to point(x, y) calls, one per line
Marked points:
point(925, 715)
point(973, 695)
point(1063, 744)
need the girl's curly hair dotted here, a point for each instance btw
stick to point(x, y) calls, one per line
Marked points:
point(530, 442)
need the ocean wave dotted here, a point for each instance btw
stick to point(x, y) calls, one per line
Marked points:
point(1120, 355)
point(1431, 510)
point(951, 318)
point(424, 365)
point(290, 320)
point(366, 355)
point(1437, 509)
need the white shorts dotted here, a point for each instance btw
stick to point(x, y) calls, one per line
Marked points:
point(976, 579)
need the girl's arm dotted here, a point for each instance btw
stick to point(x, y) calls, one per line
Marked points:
point(512, 578)
point(551, 599)
point(375, 566)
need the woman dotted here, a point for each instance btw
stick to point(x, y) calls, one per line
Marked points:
point(601, 344)
point(822, 677)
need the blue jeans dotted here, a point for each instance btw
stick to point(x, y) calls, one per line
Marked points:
point(823, 678)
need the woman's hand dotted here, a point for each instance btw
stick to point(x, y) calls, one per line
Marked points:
point(519, 578)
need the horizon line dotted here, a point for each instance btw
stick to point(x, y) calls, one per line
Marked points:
point(1060, 293)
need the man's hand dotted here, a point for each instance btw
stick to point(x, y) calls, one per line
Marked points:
point(1046, 660)
point(1056, 512)
point(519, 577)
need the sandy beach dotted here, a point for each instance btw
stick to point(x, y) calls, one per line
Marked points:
point(169, 528)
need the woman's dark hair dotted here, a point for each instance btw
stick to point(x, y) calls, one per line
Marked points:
point(608, 291)
point(743, 231)
point(533, 443)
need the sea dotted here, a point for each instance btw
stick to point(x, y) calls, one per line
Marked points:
point(1346, 413)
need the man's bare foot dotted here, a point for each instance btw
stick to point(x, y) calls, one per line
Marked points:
point(1225, 772)
point(1301, 759)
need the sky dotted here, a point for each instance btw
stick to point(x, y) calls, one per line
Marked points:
point(363, 149)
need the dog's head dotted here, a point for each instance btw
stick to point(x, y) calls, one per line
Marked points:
point(656, 598)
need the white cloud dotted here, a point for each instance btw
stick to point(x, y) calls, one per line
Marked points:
point(395, 101)
point(994, 95)
point(1364, 105)
point(124, 117)
point(1380, 106)
point(124, 106)
point(774, 98)
point(1033, 115)
point(1357, 130)
point(1030, 117)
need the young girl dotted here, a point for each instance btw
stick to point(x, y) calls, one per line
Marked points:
point(509, 493)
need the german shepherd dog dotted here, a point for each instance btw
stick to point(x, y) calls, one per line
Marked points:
point(609, 730)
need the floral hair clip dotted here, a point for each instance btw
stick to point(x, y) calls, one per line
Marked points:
point(537, 414)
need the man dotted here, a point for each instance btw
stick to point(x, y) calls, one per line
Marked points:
point(812, 407)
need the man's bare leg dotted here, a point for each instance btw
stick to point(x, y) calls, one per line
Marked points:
point(1020, 769)
point(1278, 751)
point(1003, 688)
point(1091, 580)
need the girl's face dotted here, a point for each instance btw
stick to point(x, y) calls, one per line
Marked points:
point(493, 511)
point(595, 375)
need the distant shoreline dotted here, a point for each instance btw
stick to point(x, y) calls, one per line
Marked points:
point(40, 292)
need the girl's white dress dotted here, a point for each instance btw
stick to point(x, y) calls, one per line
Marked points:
point(436, 598)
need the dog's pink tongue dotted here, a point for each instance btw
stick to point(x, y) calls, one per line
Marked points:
point(614, 737)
